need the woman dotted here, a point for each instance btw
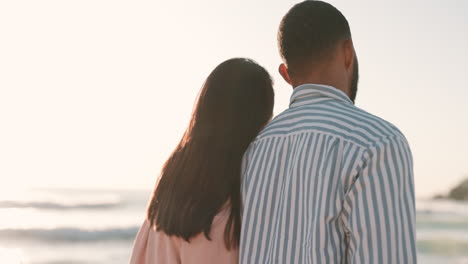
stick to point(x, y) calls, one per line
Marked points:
point(195, 213)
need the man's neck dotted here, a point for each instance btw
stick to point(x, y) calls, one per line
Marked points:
point(320, 82)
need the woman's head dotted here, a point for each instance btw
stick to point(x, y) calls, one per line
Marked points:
point(235, 101)
point(203, 172)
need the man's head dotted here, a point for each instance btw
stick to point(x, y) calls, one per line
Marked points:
point(315, 43)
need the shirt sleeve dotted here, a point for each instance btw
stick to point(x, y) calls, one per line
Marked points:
point(379, 207)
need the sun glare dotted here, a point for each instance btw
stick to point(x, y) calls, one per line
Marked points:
point(11, 191)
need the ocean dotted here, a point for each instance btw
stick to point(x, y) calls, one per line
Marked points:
point(98, 226)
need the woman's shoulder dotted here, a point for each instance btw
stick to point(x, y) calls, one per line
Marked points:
point(154, 246)
point(201, 249)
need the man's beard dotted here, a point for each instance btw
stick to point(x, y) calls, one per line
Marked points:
point(354, 81)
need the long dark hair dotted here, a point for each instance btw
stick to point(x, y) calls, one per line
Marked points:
point(203, 173)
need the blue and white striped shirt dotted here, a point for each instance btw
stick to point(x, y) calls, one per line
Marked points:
point(326, 182)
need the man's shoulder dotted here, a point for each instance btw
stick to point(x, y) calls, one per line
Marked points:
point(335, 119)
point(386, 128)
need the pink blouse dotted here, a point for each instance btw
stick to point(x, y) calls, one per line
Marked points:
point(155, 247)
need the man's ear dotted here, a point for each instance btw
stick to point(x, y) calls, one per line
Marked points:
point(348, 54)
point(283, 70)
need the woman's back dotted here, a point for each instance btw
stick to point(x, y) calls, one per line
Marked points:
point(153, 246)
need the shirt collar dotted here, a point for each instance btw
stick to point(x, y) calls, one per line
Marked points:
point(312, 93)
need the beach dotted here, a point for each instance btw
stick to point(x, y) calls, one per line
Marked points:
point(69, 226)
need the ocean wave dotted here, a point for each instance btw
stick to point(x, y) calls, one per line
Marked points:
point(64, 235)
point(442, 208)
point(443, 247)
point(59, 206)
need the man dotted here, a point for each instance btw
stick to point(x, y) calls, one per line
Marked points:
point(326, 182)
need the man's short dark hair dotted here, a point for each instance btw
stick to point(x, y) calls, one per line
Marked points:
point(309, 32)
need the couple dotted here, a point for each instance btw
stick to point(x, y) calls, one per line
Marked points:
point(323, 182)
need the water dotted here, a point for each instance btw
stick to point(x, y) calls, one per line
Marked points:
point(70, 226)
point(78, 226)
point(442, 232)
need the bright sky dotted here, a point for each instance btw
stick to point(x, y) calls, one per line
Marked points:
point(96, 93)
